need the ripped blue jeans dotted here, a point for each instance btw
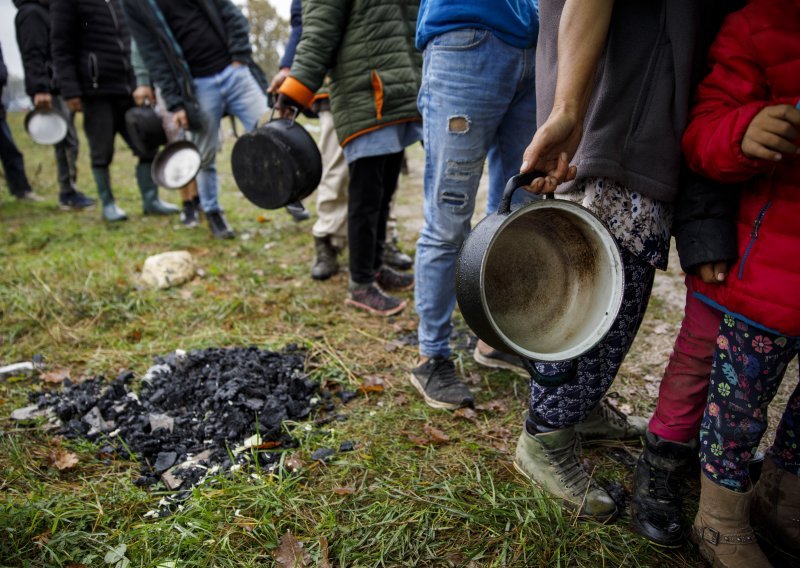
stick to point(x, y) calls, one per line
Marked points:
point(477, 99)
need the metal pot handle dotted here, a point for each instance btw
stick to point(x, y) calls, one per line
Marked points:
point(513, 185)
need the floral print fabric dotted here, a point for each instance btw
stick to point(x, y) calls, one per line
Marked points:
point(749, 365)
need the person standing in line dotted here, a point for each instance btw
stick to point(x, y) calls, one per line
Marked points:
point(366, 47)
point(477, 100)
point(10, 156)
point(33, 37)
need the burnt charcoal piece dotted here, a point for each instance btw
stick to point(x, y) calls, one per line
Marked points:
point(347, 395)
point(164, 461)
point(347, 446)
point(322, 454)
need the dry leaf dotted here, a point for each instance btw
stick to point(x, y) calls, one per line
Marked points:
point(393, 345)
point(294, 463)
point(466, 413)
point(371, 384)
point(494, 406)
point(246, 524)
point(262, 219)
point(41, 539)
point(63, 459)
point(436, 435)
point(290, 553)
point(401, 400)
point(323, 550)
point(344, 490)
point(56, 376)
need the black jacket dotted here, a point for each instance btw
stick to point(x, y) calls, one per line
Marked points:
point(91, 47)
point(3, 81)
point(162, 54)
point(33, 37)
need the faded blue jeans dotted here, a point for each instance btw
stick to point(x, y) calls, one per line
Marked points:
point(477, 98)
point(235, 90)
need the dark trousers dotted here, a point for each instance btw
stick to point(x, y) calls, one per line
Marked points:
point(66, 152)
point(13, 162)
point(103, 119)
point(373, 181)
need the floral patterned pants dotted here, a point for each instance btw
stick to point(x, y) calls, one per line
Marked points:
point(749, 365)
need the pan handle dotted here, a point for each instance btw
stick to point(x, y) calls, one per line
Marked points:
point(294, 116)
point(513, 185)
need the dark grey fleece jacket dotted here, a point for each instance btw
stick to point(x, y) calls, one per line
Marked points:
point(640, 102)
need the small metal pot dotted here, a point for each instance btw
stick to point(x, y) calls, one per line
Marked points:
point(544, 282)
point(176, 164)
point(276, 164)
point(46, 127)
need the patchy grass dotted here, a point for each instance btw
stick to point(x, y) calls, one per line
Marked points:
point(68, 292)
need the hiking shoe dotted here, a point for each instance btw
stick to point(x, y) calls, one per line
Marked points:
point(495, 359)
point(607, 423)
point(372, 299)
point(325, 261)
point(550, 461)
point(298, 211)
point(190, 217)
point(29, 196)
point(396, 258)
point(75, 201)
point(656, 505)
point(219, 226)
point(389, 279)
point(437, 381)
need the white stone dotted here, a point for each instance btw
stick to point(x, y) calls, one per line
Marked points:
point(168, 269)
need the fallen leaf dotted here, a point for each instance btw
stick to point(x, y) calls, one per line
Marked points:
point(401, 400)
point(436, 435)
point(267, 445)
point(246, 524)
point(371, 384)
point(262, 219)
point(392, 346)
point(344, 490)
point(466, 413)
point(323, 550)
point(55, 376)
point(41, 539)
point(63, 459)
point(294, 463)
point(494, 406)
point(290, 553)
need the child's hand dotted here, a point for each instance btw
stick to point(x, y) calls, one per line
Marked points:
point(713, 272)
point(774, 131)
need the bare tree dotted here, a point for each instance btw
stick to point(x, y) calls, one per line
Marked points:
point(268, 34)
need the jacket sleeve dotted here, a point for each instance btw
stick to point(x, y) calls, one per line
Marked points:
point(153, 56)
point(139, 68)
point(3, 72)
point(34, 46)
point(705, 222)
point(237, 30)
point(296, 20)
point(324, 23)
point(728, 99)
point(64, 45)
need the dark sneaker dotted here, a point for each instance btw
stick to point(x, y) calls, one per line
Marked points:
point(437, 381)
point(75, 201)
point(29, 196)
point(190, 217)
point(325, 260)
point(396, 258)
point(372, 299)
point(389, 279)
point(297, 211)
point(494, 359)
point(219, 226)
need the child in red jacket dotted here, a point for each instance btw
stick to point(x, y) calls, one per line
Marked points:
point(745, 129)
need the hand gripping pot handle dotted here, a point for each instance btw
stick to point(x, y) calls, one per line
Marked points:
point(543, 281)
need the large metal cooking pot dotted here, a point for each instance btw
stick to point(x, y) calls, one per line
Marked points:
point(544, 282)
point(46, 127)
point(176, 164)
point(145, 130)
point(276, 164)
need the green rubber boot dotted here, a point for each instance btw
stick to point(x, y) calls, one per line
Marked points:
point(111, 212)
point(151, 204)
point(549, 460)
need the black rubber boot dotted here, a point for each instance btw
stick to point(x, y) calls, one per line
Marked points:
point(111, 212)
point(656, 504)
point(325, 261)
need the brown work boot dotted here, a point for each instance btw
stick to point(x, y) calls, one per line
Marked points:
point(776, 507)
point(326, 263)
point(722, 530)
point(549, 460)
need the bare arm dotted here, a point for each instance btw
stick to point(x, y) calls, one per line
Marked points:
point(581, 38)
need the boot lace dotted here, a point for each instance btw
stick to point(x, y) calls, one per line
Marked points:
point(613, 416)
point(570, 471)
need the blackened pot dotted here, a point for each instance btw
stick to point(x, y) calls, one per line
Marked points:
point(544, 282)
point(276, 164)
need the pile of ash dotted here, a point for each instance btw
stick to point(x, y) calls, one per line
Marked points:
point(192, 410)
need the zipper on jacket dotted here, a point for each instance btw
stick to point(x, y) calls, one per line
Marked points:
point(753, 236)
point(94, 70)
point(126, 64)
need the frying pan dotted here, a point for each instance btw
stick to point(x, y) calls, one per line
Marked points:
point(176, 164)
point(46, 127)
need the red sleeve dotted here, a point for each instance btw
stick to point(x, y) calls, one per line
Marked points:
point(727, 100)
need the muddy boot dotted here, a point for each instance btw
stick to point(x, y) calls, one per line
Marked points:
point(607, 423)
point(776, 508)
point(549, 461)
point(656, 505)
point(151, 204)
point(111, 212)
point(325, 261)
point(722, 530)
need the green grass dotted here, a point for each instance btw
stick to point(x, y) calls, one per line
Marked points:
point(68, 291)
